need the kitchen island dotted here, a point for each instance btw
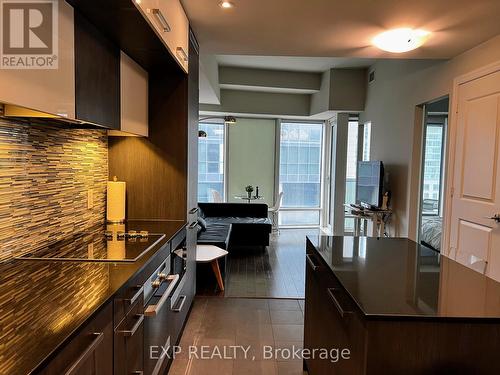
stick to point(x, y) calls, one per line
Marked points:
point(398, 308)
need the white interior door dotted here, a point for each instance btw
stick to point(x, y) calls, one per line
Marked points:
point(474, 236)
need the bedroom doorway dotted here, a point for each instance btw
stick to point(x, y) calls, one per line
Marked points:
point(435, 130)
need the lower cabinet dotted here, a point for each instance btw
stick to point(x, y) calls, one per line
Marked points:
point(90, 352)
point(331, 323)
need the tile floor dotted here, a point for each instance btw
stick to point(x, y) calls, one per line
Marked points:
point(256, 324)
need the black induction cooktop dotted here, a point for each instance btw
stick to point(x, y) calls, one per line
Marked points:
point(111, 244)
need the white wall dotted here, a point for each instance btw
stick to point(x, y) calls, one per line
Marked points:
point(209, 80)
point(399, 86)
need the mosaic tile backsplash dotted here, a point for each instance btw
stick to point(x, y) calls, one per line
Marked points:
point(45, 175)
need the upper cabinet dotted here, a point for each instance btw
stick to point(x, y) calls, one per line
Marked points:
point(168, 19)
point(94, 82)
point(133, 98)
point(47, 90)
point(97, 72)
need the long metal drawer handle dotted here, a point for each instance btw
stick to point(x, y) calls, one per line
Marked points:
point(182, 54)
point(153, 310)
point(337, 304)
point(135, 296)
point(73, 369)
point(193, 225)
point(311, 262)
point(131, 332)
point(179, 309)
point(193, 210)
point(161, 20)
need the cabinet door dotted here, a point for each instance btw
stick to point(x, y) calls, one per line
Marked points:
point(183, 296)
point(193, 116)
point(312, 315)
point(46, 90)
point(331, 322)
point(342, 329)
point(168, 19)
point(97, 71)
point(90, 352)
point(133, 97)
point(177, 39)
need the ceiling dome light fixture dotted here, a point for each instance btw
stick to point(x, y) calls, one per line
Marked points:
point(226, 4)
point(401, 40)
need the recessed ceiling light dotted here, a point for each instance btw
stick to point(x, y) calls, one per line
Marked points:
point(401, 40)
point(226, 4)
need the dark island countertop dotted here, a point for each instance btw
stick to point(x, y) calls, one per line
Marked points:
point(42, 303)
point(396, 277)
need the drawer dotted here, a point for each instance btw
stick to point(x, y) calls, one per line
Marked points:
point(124, 302)
point(90, 352)
point(129, 342)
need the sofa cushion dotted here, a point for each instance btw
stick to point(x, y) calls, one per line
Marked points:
point(217, 234)
point(202, 223)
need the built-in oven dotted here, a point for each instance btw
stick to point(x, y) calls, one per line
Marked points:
point(160, 295)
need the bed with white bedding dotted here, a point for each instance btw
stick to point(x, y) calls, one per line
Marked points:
point(430, 235)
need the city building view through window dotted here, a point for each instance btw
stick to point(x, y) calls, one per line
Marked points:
point(211, 163)
point(300, 173)
point(432, 172)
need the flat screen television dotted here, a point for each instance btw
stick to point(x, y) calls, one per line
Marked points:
point(370, 184)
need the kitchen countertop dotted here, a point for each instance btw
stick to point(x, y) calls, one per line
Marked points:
point(396, 277)
point(42, 303)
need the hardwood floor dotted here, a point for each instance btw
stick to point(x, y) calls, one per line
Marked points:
point(279, 272)
point(255, 324)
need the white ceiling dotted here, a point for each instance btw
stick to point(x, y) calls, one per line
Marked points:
point(293, 63)
point(339, 28)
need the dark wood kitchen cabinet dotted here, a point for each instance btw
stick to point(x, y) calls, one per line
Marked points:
point(193, 117)
point(97, 75)
point(90, 352)
point(331, 322)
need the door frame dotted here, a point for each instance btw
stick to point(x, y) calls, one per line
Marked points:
point(450, 155)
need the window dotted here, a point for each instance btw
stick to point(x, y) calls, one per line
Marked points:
point(211, 162)
point(367, 134)
point(434, 138)
point(300, 173)
point(351, 168)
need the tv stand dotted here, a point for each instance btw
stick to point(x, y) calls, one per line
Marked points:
point(379, 217)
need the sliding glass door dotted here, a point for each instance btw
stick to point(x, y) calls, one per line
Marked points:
point(301, 147)
point(211, 163)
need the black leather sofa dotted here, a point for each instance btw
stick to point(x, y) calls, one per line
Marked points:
point(227, 225)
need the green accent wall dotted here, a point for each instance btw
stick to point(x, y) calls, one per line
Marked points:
point(251, 144)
